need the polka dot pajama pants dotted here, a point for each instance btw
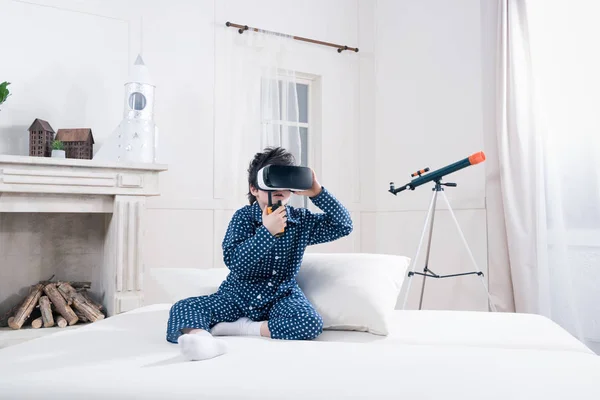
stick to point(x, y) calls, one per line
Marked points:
point(291, 317)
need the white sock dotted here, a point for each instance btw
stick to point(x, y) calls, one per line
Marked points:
point(242, 327)
point(200, 346)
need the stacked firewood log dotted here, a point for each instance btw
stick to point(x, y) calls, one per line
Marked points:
point(55, 304)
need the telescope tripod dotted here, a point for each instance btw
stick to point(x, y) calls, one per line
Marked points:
point(427, 273)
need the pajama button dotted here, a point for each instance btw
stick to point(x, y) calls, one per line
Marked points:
point(250, 307)
point(274, 272)
point(269, 284)
point(259, 297)
point(277, 257)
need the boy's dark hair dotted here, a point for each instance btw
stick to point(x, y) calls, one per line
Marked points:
point(270, 156)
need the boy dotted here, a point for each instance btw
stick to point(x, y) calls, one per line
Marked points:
point(260, 295)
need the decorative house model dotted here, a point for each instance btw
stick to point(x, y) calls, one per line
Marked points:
point(79, 143)
point(41, 136)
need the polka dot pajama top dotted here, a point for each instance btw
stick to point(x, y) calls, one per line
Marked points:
point(262, 284)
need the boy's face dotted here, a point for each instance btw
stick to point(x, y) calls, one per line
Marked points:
point(263, 196)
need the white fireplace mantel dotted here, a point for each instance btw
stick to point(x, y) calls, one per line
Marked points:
point(54, 185)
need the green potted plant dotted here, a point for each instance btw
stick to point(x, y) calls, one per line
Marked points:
point(58, 149)
point(4, 92)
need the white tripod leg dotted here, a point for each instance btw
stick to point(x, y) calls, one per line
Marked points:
point(462, 236)
point(414, 260)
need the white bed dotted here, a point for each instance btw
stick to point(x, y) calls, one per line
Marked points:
point(427, 355)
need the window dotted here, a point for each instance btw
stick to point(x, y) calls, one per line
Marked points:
point(137, 101)
point(567, 81)
point(286, 122)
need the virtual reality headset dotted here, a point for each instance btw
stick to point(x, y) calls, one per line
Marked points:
point(284, 177)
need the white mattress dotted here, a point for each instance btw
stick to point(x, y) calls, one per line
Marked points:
point(428, 355)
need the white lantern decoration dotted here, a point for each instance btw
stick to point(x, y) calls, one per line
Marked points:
point(136, 138)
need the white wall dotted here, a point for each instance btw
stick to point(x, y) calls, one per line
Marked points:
point(68, 61)
point(190, 219)
point(429, 114)
point(411, 98)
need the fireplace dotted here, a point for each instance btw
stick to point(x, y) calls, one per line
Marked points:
point(74, 221)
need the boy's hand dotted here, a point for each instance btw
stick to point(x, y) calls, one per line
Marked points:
point(315, 190)
point(276, 221)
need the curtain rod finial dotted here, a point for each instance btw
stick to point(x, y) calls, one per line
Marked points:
point(339, 50)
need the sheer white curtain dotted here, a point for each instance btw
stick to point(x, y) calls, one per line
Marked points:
point(257, 105)
point(549, 147)
point(279, 101)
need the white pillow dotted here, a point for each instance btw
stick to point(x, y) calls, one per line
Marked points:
point(353, 291)
point(169, 285)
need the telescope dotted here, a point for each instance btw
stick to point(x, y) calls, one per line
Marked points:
point(436, 176)
point(424, 176)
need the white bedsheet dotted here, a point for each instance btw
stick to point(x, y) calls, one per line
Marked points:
point(483, 329)
point(127, 357)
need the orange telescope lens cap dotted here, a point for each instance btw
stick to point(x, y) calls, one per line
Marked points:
point(477, 158)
